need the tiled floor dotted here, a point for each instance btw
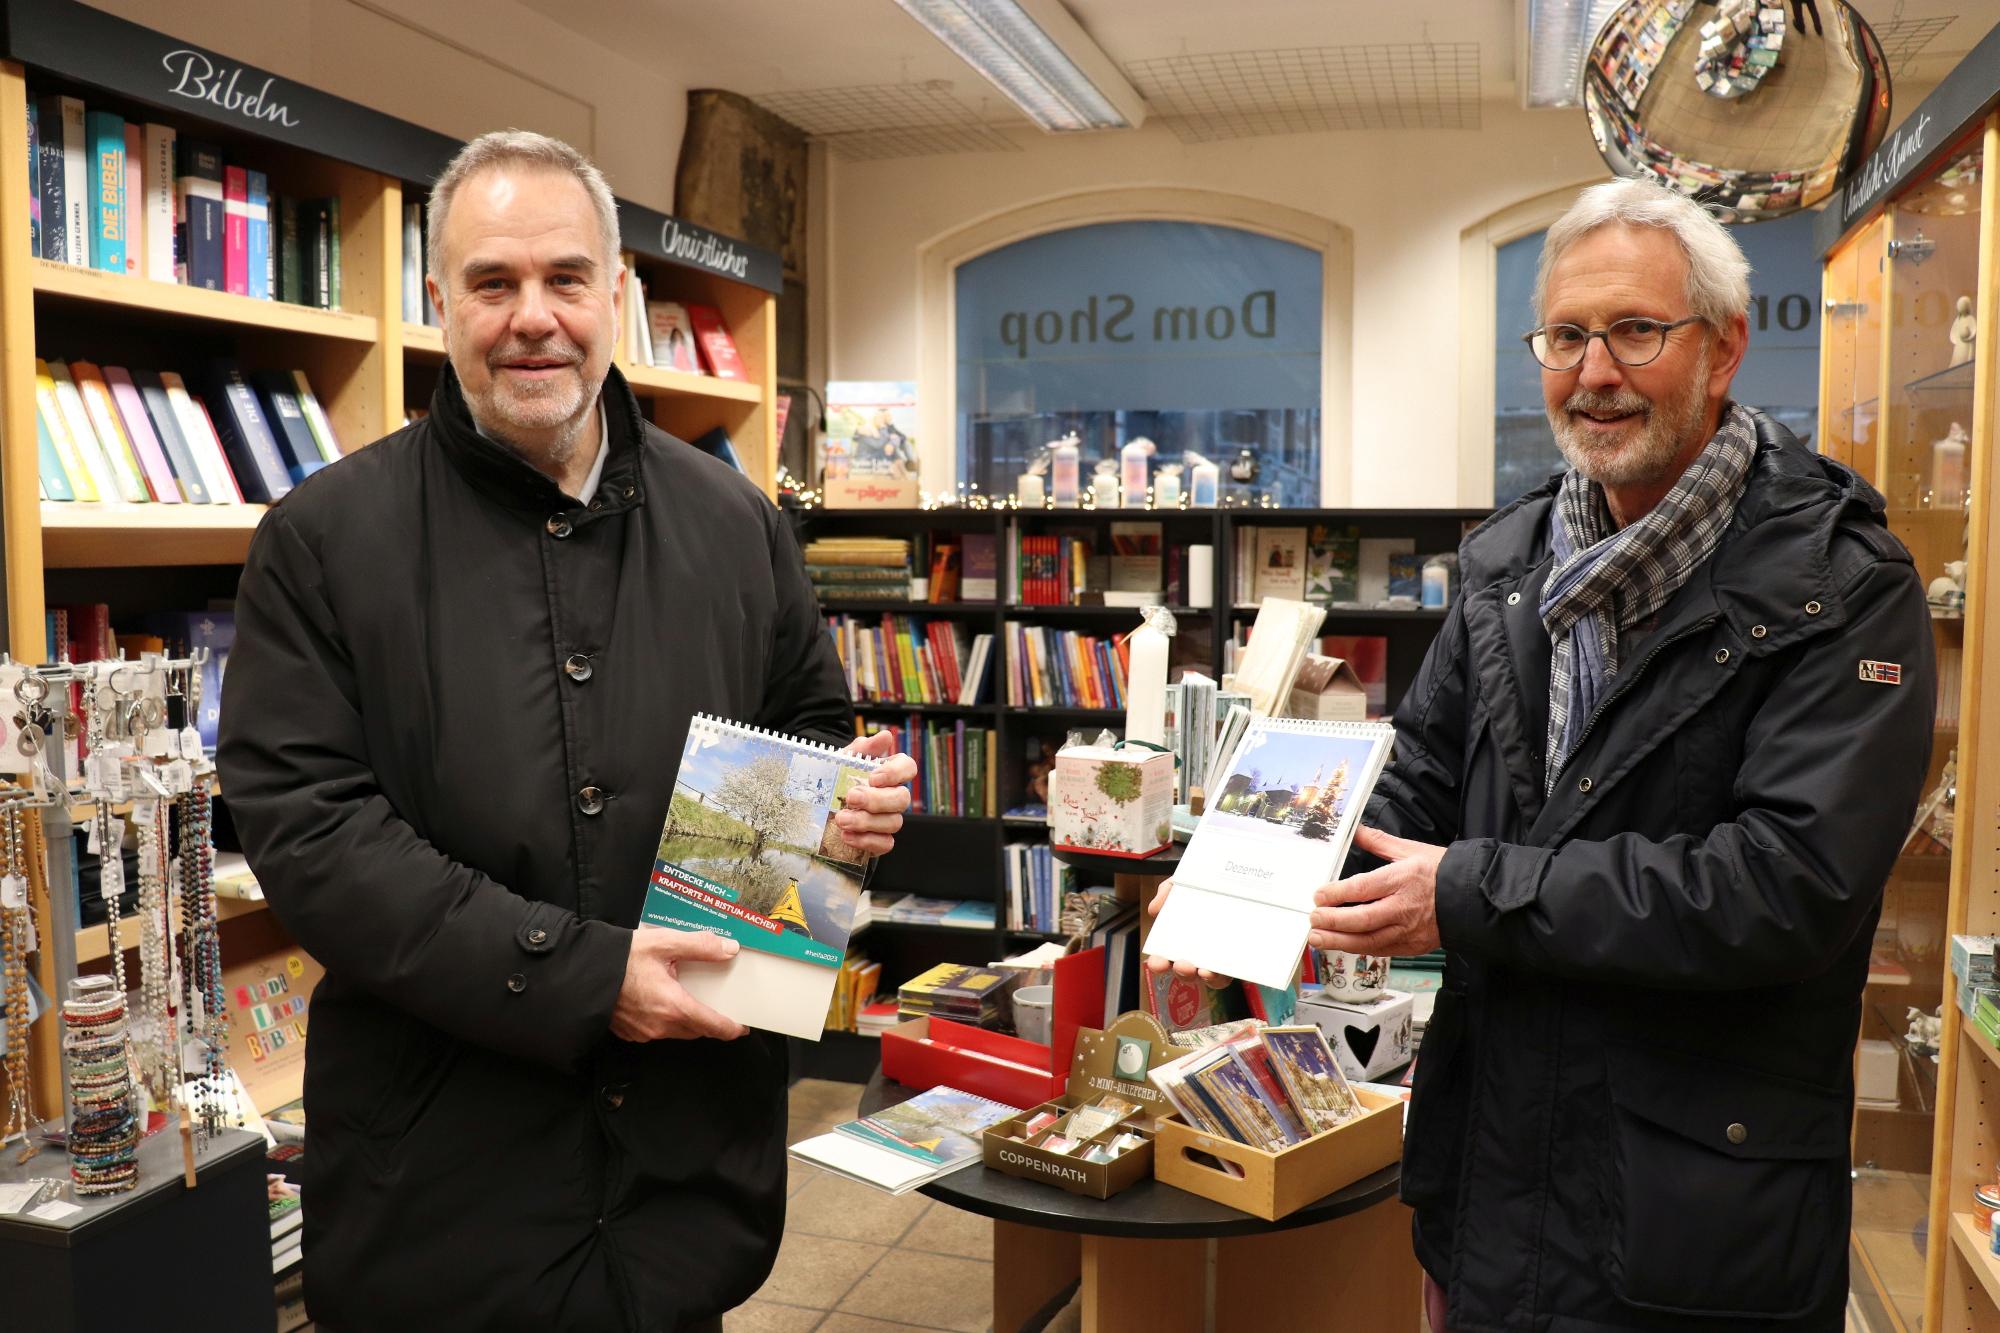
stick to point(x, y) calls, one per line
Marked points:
point(855, 1260)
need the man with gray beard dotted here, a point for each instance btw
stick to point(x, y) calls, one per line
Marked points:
point(1645, 795)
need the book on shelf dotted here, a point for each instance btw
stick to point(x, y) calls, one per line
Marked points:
point(235, 230)
point(978, 671)
point(750, 851)
point(638, 347)
point(161, 212)
point(106, 137)
point(291, 264)
point(198, 429)
point(956, 765)
point(910, 1144)
point(979, 581)
point(34, 179)
point(898, 659)
point(103, 413)
point(316, 419)
point(257, 234)
point(1037, 885)
point(134, 203)
point(246, 436)
point(277, 394)
point(1052, 668)
point(77, 474)
point(671, 335)
point(199, 252)
point(718, 349)
point(413, 263)
point(973, 995)
point(1279, 556)
point(162, 479)
point(853, 990)
point(63, 181)
point(54, 479)
point(1276, 827)
point(105, 476)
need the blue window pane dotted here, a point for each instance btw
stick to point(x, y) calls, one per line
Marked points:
point(1204, 339)
point(1779, 374)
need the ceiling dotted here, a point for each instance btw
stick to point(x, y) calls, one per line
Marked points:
point(870, 67)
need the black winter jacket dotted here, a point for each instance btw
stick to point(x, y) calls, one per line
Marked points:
point(454, 714)
point(1633, 1100)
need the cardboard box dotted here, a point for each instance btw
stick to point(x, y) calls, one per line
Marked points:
point(1327, 690)
point(1116, 801)
point(1093, 1073)
point(926, 1052)
point(1368, 1039)
point(1272, 1185)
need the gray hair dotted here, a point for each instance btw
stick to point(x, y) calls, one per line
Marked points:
point(1718, 281)
point(506, 148)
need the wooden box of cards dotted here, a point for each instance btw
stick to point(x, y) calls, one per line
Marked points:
point(1097, 1138)
point(1266, 1123)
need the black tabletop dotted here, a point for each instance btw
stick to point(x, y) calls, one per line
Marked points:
point(1157, 866)
point(159, 1180)
point(1147, 1210)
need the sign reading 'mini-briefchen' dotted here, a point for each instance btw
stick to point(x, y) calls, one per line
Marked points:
point(1159, 316)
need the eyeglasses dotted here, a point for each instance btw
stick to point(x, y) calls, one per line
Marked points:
point(1631, 342)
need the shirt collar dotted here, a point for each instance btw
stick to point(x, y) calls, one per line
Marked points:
point(596, 474)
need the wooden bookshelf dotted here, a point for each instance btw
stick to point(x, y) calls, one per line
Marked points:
point(421, 340)
point(68, 282)
point(654, 380)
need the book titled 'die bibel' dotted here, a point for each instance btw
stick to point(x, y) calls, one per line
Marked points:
point(751, 851)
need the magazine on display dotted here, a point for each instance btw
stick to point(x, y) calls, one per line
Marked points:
point(751, 851)
point(1277, 827)
point(910, 1144)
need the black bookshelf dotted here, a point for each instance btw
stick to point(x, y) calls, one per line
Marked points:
point(951, 857)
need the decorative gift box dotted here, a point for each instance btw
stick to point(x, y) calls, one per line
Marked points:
point(1116, 800)
point(1367, 1039)
point(1130, 1046)
point(926, 1052)
point(1271, 1185)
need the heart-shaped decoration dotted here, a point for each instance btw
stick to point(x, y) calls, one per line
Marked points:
point(1362, 1042)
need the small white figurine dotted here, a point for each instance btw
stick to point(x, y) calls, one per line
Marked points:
point(1964, 330)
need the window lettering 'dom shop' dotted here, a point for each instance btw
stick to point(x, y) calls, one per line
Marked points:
point(1116, 319)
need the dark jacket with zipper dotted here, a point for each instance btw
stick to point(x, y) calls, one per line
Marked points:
point(454, 713)
point(1632, 1102)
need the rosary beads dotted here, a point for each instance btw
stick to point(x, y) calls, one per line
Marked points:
point(14, 929)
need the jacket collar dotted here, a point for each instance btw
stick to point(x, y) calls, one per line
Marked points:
point(1773, 569)
point(500, 474)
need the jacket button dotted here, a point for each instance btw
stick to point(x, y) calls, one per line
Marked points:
point(578, 667)
point(1758, 631)
point(1583, 784)
point(538, 936)
point(597, 503)
point(1812, 608)
point(613, 1098)
point(558, 527)
point(1721, 656)
point(1736, 1133)
point(517, 983)
point(631, 491)
point(590, 800)
point(1513, 599)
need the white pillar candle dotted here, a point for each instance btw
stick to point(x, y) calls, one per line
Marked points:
point(1201, 576)
point(1028, 490)
point(1146, 686)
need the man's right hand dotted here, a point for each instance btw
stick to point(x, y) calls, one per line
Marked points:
point(1214, 980)
point(653, 1004)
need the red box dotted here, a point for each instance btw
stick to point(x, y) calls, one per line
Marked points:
point(927, 1052)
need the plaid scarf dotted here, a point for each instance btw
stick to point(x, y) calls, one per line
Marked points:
point(1607, 579)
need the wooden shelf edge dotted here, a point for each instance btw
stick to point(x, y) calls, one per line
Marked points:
point(1978, 1254)
point(92, 535)
point(93, 944)
point(423, 340)
point(82, 284)
point(653, 379)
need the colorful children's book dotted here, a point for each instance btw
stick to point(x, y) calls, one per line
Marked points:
point(910, 1144)
point(1276, 827)
point(751, 851)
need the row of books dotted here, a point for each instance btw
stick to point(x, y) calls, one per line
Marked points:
point(140, 436)
point(1122, 564)
point(954, 913)
point(853, 991)
point(964, 994)
point(1052, 668)
point(672, 335)
point(417, 308)
point(956, 765)
point(1037, 885)
point(1325, 565)
point(874, 568)
point(898, 659)
point(138, 199)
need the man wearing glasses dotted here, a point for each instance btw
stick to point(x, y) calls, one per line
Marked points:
point(1646, 792)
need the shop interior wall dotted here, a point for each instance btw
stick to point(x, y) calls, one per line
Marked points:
point(461, 67)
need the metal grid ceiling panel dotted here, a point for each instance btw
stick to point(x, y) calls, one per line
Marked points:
point(1903, 38)
point(888, 120)
point(1240, 94)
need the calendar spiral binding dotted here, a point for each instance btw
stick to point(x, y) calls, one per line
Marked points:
point(713, 722)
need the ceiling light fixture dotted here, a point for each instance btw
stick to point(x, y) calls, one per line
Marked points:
point(1555, 34)
point(1039, 58)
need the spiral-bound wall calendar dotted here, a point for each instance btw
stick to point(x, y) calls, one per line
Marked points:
point(751, 851)
point(1275, 829)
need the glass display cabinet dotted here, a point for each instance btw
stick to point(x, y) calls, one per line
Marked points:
point(1907, 385)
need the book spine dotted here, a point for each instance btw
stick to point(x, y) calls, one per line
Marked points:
point(257, 233)
point(287, 421)
point(77, 191)
point(49, 465)
point(35, 179)
point(160, 414)
point(413, 264)
point(199, 186)
point(131, 411)
point(49, 180)
point(68, 450)
point(321, 273)
point(235, 231)
point(316, 419)
point(110, 431)
point(107, 191)
point(96, 457)
point(199, 432)
point(157, 184)
point(246, 437)
point(135, 201)
point(333, 253)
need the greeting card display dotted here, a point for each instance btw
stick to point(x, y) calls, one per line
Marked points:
point(1097, 1138)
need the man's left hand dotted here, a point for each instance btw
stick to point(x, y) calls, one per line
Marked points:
point(1387, 912)
point(874, 811)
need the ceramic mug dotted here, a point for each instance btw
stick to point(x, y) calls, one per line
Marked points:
point(1353, 976)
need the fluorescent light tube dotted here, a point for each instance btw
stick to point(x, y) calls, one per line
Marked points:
point(1041, 61)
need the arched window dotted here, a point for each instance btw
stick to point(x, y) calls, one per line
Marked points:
point(1202, 337)
point(1780, 373)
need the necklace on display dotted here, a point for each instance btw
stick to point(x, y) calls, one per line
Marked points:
point(15, 927)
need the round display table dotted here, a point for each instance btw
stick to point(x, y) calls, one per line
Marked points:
point(1155, 1259)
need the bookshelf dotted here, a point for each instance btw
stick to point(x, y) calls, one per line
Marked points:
point(962, 857)
point(366, 364)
